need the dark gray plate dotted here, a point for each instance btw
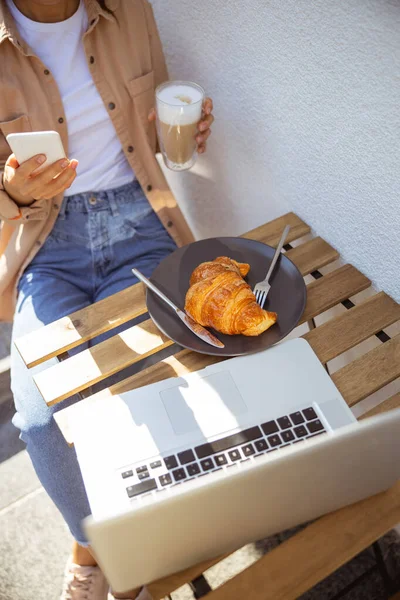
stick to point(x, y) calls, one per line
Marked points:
point(287, 296)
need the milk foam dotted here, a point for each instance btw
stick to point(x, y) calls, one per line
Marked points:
point(180, 104)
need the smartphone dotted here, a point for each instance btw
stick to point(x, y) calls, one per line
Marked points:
point(26, 145)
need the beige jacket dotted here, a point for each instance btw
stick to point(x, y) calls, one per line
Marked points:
point(125, 56)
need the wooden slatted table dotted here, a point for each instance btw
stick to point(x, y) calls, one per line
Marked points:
point(305, 559)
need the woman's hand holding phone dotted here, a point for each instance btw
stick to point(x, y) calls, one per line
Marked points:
point(25, 185)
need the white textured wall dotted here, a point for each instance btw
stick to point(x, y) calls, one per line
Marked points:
point(307, 106)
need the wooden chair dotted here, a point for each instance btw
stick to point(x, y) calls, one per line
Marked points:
point(323, 546)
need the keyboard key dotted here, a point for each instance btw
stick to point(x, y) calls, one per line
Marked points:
point(261, 445)
point(274, 440)
point(236, 439)
point(300, 431)
point(258, 455)
point(248, 450)
point(297, 418)
point(221, 459)
point(179, 474)
point(315, 426)
point(141, 488)
point(297, 441)
point(165, 479)
point(186, 457)
point(234, 455)
point(287, 436)
point(315, 434)
point(144, 475)
point(156, 464)
point(272, 450)
point(310, 414)
point(245, 460)
point(126, 474)
point(284, 423)
point(170, 462)
point(270, 427)
point(141, 469)
point(193, 469)
point(207, 464)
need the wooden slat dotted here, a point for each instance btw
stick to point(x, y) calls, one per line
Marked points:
point(95, 364)
point(389, 404)
point(371, 372)
point(312, 255)
point(310, 556)
point(69, 332)
point(326, 292)
point(356, 325)
point(271, 232)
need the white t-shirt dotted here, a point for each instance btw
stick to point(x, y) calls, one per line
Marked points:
point(91, 135)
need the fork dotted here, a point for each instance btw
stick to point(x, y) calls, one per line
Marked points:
point(262, 288)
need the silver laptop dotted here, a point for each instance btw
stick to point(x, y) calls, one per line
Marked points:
point(187, 469)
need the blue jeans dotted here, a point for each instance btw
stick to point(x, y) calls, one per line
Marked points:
point(96, 240)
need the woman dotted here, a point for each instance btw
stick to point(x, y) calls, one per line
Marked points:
point(71, 234)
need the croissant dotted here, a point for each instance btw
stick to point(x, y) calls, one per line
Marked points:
point(218, 297)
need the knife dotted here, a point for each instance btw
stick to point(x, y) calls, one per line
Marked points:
point(194, 327)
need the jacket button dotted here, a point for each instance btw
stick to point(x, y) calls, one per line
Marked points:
point(111, 106)
point(91, 60)
point(169, 224)
point(46, 72)
point(61, 120)
point(149, 188)
point(130, 148)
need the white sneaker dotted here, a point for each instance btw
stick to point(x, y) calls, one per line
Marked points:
point(84, 583)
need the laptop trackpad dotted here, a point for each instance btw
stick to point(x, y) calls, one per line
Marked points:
point(210, 405)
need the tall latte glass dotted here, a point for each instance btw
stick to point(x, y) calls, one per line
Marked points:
point(178, 106)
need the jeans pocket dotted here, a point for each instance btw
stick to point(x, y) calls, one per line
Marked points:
point(132, 214)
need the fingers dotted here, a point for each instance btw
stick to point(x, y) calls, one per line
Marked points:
point(202, 137)
point(50, 172)
point(208, 106)
point(152, 115)
point(29, 166)
point(52, 180)
point(202, 148)
point(206, 123)
point(58, 184)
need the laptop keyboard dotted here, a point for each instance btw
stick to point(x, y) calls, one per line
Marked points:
point(224, 453)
